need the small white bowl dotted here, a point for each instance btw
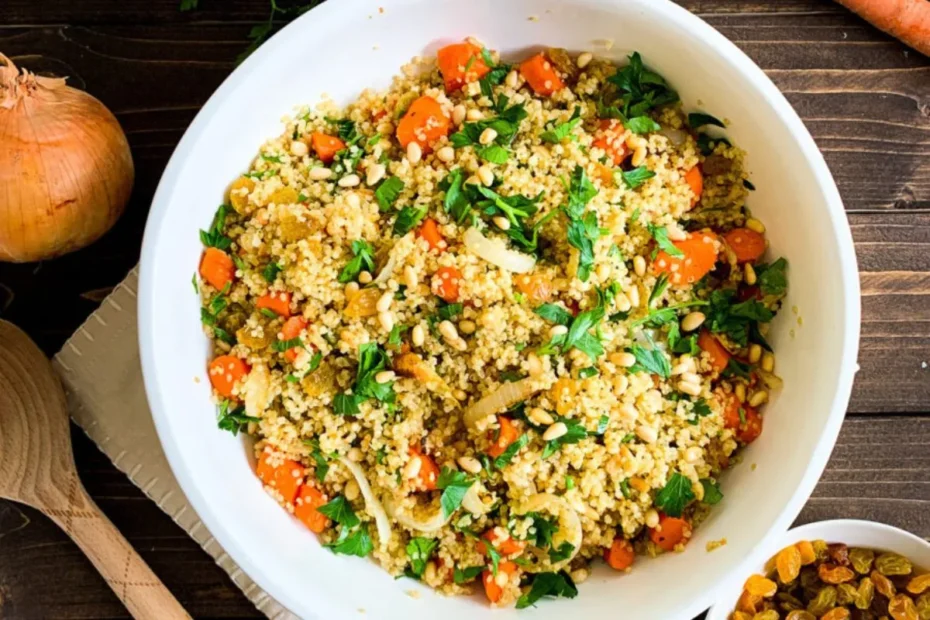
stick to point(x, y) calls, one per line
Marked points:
point(852, 532)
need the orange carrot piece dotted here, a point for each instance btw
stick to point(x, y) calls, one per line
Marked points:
point(719, 356)
point(507, 545)
point(541, 75)
point(620, 556)
point(908, 20)
point(747, 244)
point(700, 255)
point(423, 123)
point(277, 302)
point(748, 425)
point(446, 283)
point(429, 471)
point(284, 476)
point(695, 179)
point(493, 591)
point(309, 498)
point(326, 146)
point(609, 139)
point(670, 532)
point(290, 330)
point(225, 372)
point(459, 64)
point(506, 435)
point(217, 268)
point(429, 231)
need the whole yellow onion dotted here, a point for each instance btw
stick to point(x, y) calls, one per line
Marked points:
point(65, 168)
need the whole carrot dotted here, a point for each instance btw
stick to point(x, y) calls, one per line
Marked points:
point(908, 20)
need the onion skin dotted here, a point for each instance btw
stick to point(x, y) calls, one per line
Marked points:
point(66, 172)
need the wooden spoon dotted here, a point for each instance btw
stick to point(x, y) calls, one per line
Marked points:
point(37, 469)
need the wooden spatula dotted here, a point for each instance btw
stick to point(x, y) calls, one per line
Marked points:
point(37, 469)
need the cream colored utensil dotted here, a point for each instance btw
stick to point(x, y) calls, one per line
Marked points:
point(37, 469)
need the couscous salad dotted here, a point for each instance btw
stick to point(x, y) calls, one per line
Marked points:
point(496, 323)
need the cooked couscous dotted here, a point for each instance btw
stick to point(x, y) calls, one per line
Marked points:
point(497, 322)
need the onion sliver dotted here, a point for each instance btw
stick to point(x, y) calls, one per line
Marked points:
point(371, 502)
point(387, 271)
point(569, 529)
point(430, 524)
point(500, 400)
point(257, 390)
point(675, 136)
point(496, 252)
point(472, 501)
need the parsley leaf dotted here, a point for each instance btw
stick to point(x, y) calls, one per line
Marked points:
point(234, 421)
point(735, 319)
point(559, 132)
point(357, 542)
point(636, 177)
point(396, 333)
point(660, 234)
point(641, 90)
point(659, 288)
point(506, 124)
point(284, 345)
point(712, 493)
point(563, 552)
point(493, 153)
point(387, 193)
point(271, 271)
point(372, 360)
point(555, 313)
point(322, 464)
point(408, 219)
point(364, 261)
point(642, 124)
point(651, 360)
point(578, 335)
point(340, 511)
point(464, 575)
point(419, 550)
point(544, 528)
point(575, 433)
point(675, 495)
point(454, 485)
point(699, 119)
point(587, 372)
point(456, 202)
point(736, 368)
point(448, 311)
point(583, 229)
point(214, 237)
point(548, 584)
point(504, 459)
point(772, 278)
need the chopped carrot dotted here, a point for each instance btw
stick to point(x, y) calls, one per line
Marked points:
point(429, 230)
point(537, 288)
point(719, 356)
point(290, 330)
point(748, 424)
point(908, 20)
point(504, 543)
point(424, 122)
point(750, 431)
point(225, 372)
point(309, 498)
point(493, 591)
point(277, 302)
point(446, 283)
point(217, 268)
point(620, 556)
point(326, 146)
point(506, 435)
point(541, 75)
point(747, 244)
point(459, 64)
point(429, 471)
point(282, 475)
point(695, 179)
point(670, 532)
point(610, 140)
point(700, 255)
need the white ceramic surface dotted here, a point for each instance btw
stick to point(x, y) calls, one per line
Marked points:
point(852, 532)
point(347, 45)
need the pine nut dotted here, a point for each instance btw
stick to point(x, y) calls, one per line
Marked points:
point(355, 455)
point(412, 468)
point(364, 277)
point(299, 149)
point(501, 222)
point(386, 319)
point(414, 152)
point(534, 365)
point(351, 288)
point(692, 321)
point(487, 136)
point(349, 180)
point(555, 431)
point(511, 79)
point(353, 201)
point(629, 413)
point(639, 266)
point(474, 115)
point(557, 330)
point(351, 490)
point(579, 575)
point(624, 359)
point(691, 377)
point(467, 326)
point(470, 464)
point(603, 271)
point(675, 233)
point(448, 331)
point(755, 225)
point(384, 302)
point(486, 175)
point(429, 572)
point(758, 398)
point(647, 433)
point(689, 388)
point(633, 295)
point(446, 154)
point(749, 274)
point(652, 518)
point(583, 59)
point(768, 362)
point(540, 416)
point(755, 353)
point(375, 173)
point(458, 114)
point(639, 156)
point(622, 302)
point(418, 335)
point(410, 277)
point(460, 395)
point(740, 392)
point(693, 454)
point(318, 174)
point(385, 376)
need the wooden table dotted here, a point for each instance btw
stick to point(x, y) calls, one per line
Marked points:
point(865, 98)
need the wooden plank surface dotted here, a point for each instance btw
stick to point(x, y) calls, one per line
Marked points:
point(864, 97)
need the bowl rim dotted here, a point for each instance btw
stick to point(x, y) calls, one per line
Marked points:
point(721, 610)
point(330, 12)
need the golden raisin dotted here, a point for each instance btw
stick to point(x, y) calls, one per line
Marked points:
point(239, 194)
point(740, 615)
point(748, 603)
point(806, 549)
point(820, 549)
point(831, 574)
point(823, 602)
point(902, 607)
point(837, 613)
point(866, 592)
point(788, 564)
point(923, 606)
point(789, 602)
point(882, 584)
point(760, 586)
point(563, 393)
point(283, 196)
point(893, 564)
point(919, 584)
point(362, 303)
point(768, 614)
point(861, 560)
point(846, 594)
point(800, 614)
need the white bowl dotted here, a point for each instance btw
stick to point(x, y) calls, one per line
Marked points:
point(341, 48)
point(852, 532)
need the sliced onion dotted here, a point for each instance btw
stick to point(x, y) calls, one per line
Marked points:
point(430, 524)
point(675, 136)
point(472, 500)
point(412, 365)
point(569, 530)
point(387, 271)
point(257, 389)
point(496, 252)
point(500, 400)
point(375, 509)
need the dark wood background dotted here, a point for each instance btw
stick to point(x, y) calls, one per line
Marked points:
point(864, 96)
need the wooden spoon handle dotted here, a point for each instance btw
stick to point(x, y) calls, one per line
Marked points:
point(144, 595)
